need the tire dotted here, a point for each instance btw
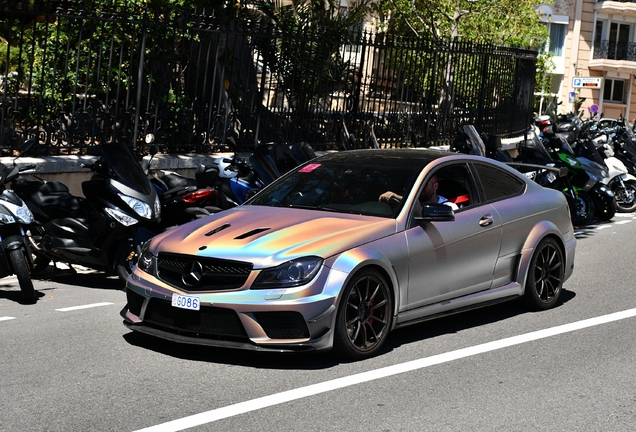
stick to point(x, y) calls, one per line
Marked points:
point(21, 270)
point(545, 275)
point(625, 197)
point(604, 207)
point(584, 208)
point(364, 316)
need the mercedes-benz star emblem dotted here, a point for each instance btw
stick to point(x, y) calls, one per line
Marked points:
point(192, 273)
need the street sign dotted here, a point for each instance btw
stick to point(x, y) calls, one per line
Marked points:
point(587, 82)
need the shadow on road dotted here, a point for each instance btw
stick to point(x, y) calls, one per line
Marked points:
point(314, 361)
point(87, 279)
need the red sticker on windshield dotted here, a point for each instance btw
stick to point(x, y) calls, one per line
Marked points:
point(309, 168)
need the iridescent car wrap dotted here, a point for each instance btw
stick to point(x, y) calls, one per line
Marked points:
point(424, 267)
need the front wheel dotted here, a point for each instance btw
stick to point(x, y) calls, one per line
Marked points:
point(21, 270)
point(584, 208)
point(545, 275)
point(625, 196)
point(364, 316)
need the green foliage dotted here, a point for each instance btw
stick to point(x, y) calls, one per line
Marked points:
point(502, 22)
point(310, 65)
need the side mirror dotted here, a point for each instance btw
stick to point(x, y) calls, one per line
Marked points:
point(435, 213)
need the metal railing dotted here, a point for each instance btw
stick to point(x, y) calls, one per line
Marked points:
point(615, 50)
point(190, 81)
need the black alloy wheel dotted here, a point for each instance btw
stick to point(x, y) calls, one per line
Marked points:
point(545, 275)
point(364, 316)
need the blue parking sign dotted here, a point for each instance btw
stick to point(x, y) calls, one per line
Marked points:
point(577, 82)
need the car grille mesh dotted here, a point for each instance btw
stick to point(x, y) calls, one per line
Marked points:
point(208, 321)
point(217, 274)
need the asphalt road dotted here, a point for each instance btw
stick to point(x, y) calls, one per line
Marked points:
point(502, 368)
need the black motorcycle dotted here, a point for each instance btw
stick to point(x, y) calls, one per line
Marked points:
point(103, 230)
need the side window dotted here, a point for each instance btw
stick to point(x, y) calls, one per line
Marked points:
point(497, 183)
point(454, 185)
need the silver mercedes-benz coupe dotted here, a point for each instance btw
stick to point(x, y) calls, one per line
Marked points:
point(343, 249)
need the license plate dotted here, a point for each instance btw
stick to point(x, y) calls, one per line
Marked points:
point(186, 302)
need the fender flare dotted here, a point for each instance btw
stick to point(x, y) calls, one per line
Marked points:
point(540, 231)
point(354, 260)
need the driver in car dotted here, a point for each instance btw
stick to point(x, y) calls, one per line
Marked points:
point(428, 195)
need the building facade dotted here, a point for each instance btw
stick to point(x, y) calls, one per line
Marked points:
point(593, 44)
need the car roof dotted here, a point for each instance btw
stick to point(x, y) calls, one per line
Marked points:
point(411, 158)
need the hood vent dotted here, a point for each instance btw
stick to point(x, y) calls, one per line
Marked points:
point(216, 230)
point(251, 233)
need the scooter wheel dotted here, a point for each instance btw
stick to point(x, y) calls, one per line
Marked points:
point(21, 270)
point(625, 197)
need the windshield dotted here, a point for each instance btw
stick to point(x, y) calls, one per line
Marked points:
point(341, 186)
point(128, 171)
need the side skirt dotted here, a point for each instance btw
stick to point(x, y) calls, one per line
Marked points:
point(460, 304)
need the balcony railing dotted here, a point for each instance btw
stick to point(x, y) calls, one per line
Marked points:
point(615, 50)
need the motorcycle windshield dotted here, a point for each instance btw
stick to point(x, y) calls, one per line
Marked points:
point(533, 142)
point(125, 167)
point(478, 147)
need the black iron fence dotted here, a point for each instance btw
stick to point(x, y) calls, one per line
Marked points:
point(194, 82)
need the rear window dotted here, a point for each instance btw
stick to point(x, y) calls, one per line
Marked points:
point(498, 184)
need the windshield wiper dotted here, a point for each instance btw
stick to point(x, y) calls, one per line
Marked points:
point(313, 207)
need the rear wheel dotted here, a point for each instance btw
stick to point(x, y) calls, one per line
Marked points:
point(625, 196)
point(21, 270)
point(545, 275)
point(364, 316)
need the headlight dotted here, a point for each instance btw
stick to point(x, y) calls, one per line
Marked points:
point(24, 215)
point(120, 216)
point(5, 216)
point(290, 274)
point(157, 207)
point(140, 207)
point(146, 261)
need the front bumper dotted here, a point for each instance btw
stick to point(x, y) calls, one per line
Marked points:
point(283, 320)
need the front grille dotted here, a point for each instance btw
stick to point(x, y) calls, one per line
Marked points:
point(217, 274)
point(209, 321)
point(283, 325)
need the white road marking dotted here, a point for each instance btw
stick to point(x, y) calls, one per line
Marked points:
point(623, 222)
point(6, 318)
point(600, 227)
point(311, 390)
point(83, 307)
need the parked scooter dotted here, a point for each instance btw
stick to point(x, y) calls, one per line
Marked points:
point(184, 199)
point(103, 230)
point(15, 217)
point(239, 179)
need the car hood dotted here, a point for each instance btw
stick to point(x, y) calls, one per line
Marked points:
point(268, 236)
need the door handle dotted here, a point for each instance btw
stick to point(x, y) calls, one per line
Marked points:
point(486, 220)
